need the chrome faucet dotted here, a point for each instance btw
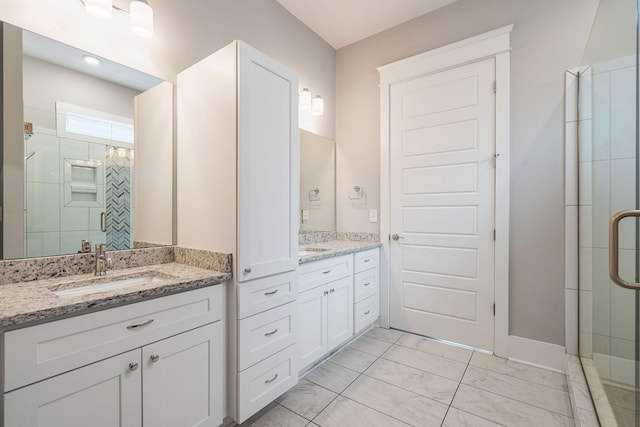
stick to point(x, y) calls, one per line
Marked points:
point(102, 261)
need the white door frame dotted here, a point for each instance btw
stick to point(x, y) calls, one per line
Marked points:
point(493, 44)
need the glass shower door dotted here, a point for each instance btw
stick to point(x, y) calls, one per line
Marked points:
point(608, 204)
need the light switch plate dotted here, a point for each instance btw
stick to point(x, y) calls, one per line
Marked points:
point(373, 215)
point(305, 215)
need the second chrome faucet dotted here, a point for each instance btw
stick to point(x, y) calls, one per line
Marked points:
point(102, 261)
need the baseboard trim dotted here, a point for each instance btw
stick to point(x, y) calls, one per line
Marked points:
point(537, 353)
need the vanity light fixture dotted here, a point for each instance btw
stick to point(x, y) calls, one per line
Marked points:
point(317, 106)
point(91, 60)
point(140, 14)
point(99, 8)
point(305, 99)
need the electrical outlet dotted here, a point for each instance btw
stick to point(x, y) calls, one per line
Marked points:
point(373, 215)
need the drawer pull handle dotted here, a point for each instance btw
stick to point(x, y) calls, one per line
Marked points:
point(367, 284)
point(133, 366)
point(366, 260)
point(154, 358)
point(367, 312)
point(271, 293)
point(270, 380)
point(140, 325)
point(268, 334)
point(326, 272)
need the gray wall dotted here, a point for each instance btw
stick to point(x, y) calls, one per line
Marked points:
point(186, 32)
point(45, 83)
point(549, 37)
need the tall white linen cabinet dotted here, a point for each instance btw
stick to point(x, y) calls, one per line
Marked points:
point(237, 181)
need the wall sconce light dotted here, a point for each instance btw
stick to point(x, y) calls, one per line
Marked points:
point(305, 99)
point(99, 8)
point(317, 106)
point(140, 14)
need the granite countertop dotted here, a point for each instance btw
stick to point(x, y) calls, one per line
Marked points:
point(34, 301)
point(335, 248)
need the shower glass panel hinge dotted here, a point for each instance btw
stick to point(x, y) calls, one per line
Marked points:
point(494, 234)
point(495, 87)
point(494, 308)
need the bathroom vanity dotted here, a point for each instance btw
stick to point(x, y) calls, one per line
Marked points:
point(151, 356)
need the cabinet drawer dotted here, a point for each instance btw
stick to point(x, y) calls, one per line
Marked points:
point(318, 273)
point(266, 333)
point(264, 382)
point(38, 352)
point(366, 260)
point(366, 283)
point(261, 295)
point(366, 312)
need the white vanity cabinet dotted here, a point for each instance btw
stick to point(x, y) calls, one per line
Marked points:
point(237, 179)
point(326, 306)
point(339, 297)
point(153, 363)
point(366, 288)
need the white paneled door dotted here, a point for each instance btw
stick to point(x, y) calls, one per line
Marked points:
point(442, 185)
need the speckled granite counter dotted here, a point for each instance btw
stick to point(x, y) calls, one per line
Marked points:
point(32, 299)
point(335, 248)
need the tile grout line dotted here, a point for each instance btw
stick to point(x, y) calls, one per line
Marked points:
point(456, 392)
point(356, 378)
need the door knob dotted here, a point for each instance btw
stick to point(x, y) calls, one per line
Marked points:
point(396, 237)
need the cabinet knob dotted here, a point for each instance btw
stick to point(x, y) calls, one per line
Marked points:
point(247, 270)
point(154, 358)
point(326, 292)
point(332, 290)
point(133, 366)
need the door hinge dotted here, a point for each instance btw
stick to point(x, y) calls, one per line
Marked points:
point(494, 234)
point(494, 308)
point(495, 87)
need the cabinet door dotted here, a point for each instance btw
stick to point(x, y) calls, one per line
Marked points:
point(103, 394)
point(340, 312)
point(267, 166)
point(183, 379)
point(312, 336)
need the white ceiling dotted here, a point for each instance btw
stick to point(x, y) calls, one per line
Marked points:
point(342, 22)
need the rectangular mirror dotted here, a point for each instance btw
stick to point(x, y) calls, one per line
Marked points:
point(96, 153)
point(317, 183)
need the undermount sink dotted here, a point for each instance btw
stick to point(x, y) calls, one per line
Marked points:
point(311, 251)
point(104, 284)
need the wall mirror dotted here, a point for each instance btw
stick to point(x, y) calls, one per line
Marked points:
point(317, 183)
point(88, 125)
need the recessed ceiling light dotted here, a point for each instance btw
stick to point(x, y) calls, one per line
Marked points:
point(91, 60)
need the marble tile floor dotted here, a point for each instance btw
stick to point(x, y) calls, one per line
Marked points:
point(389, 378)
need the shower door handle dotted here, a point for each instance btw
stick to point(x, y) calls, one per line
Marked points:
point(103, 222)
point(614, 223)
